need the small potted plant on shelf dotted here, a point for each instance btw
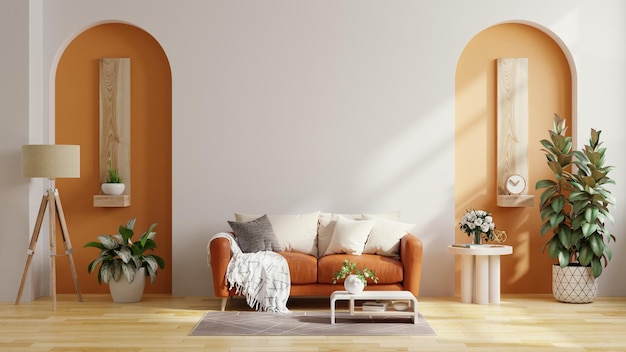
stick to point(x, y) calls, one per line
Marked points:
point(124, 264)
point(355, 279)
point(574, 208)
point(113, 184)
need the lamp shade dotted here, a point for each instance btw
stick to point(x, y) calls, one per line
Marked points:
point(51, 160)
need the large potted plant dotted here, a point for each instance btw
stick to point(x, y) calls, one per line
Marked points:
point(574, 208)
point(124, 264)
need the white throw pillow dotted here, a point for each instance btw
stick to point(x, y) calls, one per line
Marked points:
point(384, 239)
point(327, 226)
point(296, 233)
point(325, 232)
point(349, 236)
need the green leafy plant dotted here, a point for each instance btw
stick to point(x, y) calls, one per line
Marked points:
point(574, 205)
point(113, 175)
point(350, 268)
point(120, 255)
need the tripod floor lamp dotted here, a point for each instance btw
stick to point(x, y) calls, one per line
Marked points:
point(51, 161)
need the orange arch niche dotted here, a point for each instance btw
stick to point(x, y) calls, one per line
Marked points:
point(77, 122)
point(549, 91)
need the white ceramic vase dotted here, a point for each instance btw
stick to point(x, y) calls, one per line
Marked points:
point(113, 188)
point(353, 284)
point(124, 292)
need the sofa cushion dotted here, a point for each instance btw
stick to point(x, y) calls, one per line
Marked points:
point(302, 267)
point(387, 269)
point(327, 223)
point(384, 239)
point(255, 235)
point(297, 233)
point(349, 236)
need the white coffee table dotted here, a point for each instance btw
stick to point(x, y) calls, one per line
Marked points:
point(373, 296)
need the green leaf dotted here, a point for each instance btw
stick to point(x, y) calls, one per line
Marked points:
point(596, 267)
point(129, 272)
point(585, 255)
point(546, 144)
point(546, 196)
point(577, 196)
point(607, 215)
point(554, 247)
point(577, 221)
point(591, 214)
point(126, 233)
point(108, 242)
point(546, 227)
point(564, 236)
point(558, 203)
point(131, 224)
point(556, 168)
point(544, 184)
point(96, 245)
point(587, 228)
point(596, 244)
point(124, 254)
point(608, 253)
point(149, 234)
point(106, 272)
point(93, 264)
point(159, 260)
point(545, 213)
point(556, 219)
point(563, 258)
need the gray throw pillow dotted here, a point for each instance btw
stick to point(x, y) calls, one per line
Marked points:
point(256, 235)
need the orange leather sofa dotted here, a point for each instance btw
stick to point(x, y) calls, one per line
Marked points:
point(312, 276)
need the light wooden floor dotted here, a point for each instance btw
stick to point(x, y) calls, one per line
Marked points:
point(162, 323)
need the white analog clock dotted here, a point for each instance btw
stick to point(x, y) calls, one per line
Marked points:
point(515, 184)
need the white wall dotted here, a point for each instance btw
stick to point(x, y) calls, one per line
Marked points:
point(20, 98)
point(342, 106)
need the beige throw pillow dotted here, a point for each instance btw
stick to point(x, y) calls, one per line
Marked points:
point(384, 239)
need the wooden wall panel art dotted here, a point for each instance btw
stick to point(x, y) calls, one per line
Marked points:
point(115, 126)
point(512, 129)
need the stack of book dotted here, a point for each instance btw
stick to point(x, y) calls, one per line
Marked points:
point(374, 306)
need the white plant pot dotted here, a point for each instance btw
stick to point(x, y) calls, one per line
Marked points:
point(124, 292)
point(574, 284)
point(113, 188)
point(353, 284)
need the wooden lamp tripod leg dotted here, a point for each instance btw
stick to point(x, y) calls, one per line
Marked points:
point(33, 245)
point(67, 243)
point(52, 215)
point(52, 201)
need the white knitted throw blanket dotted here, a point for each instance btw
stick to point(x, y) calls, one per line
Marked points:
point(262, 277)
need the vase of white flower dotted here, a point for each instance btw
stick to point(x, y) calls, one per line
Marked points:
point(478, 224)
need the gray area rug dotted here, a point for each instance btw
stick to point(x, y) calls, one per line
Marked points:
point(307, 324)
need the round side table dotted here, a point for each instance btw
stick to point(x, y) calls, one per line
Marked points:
point(480, 272)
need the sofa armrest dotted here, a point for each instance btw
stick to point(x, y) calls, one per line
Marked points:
point(411, 249)
point(219, 249)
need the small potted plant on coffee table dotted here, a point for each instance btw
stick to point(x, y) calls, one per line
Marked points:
point(355, 279)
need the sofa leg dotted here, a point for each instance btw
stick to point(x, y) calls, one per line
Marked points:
point(224, 303)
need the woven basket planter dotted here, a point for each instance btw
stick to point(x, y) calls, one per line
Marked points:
point(573, 284)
